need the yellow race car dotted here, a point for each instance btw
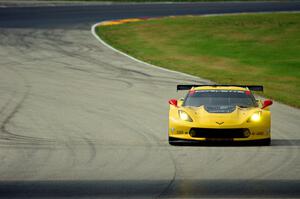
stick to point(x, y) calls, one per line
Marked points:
point(219, 113)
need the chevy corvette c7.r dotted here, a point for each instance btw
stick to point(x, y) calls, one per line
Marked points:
point(213, 113)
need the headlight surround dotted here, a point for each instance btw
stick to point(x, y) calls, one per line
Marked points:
point(184, 116)
point(255, 117)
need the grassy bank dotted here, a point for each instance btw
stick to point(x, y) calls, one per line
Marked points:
point(240, 49)
point(158, 0)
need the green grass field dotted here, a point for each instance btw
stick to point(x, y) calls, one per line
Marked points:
point(157, 0)
point(238, 49)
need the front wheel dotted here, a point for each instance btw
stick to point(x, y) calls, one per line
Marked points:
point(264, 142)
point(175, 141)
point(171, 141)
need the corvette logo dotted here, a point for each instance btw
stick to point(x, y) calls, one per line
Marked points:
point(220, 123)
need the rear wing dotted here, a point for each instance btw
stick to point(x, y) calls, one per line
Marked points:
point(189, 86)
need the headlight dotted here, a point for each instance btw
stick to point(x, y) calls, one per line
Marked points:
point(184, 116)
point(255, 117)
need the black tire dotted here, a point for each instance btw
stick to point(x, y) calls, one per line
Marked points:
point(266, 142)
point(263, 142)
point(180, 142)
point(172, 141)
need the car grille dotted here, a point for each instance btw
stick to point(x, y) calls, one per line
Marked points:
point(219, 133)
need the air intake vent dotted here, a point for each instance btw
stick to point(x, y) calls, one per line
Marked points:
point(219, 133)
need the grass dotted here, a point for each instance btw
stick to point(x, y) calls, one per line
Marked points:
point(159, 0)
point(239, 49)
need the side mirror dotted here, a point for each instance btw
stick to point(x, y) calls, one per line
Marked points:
point(267, 103)
point(173, 102)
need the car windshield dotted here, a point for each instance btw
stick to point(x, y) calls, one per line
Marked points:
point(220, 98)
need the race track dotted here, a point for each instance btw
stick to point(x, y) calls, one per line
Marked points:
point(80, 120)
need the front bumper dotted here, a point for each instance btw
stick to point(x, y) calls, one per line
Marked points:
point(182, 130)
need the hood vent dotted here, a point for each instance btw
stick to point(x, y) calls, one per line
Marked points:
point(220, 109)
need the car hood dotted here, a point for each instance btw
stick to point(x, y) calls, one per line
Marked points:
point(225, 117)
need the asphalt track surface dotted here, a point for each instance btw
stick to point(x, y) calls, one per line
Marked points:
point(79, 120)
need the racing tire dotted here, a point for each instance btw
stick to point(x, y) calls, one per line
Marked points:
point(264, 142)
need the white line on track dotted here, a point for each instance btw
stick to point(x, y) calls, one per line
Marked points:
point(93, 30)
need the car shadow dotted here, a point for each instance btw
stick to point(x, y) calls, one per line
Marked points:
point(285, 142)
point(225, 188)
point(274, 143)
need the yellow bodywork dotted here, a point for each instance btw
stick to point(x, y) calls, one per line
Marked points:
point(238, 119)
